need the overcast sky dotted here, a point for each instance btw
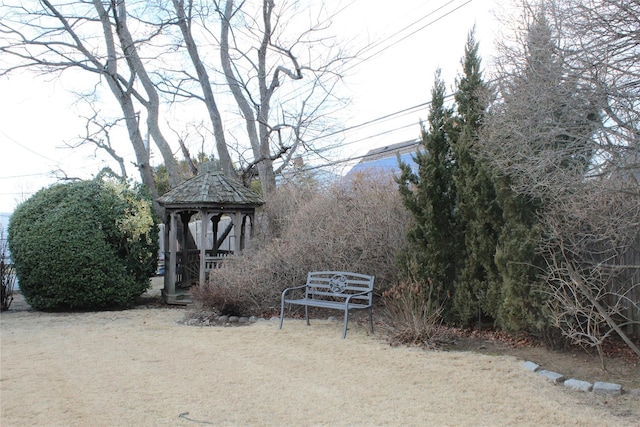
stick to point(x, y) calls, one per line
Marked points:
point(38, 115)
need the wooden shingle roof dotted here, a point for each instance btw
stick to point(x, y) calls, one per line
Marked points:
point(210, 188)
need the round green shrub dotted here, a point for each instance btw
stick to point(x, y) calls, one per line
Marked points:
point(84, 245)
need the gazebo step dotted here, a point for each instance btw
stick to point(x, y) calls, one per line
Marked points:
point(181, 297)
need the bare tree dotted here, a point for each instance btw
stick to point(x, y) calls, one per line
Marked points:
point(279, 76)
point(601, 44)
point(278, 72)
point(254, 81)
point(137, 70)
point(185, 21)
point(98, 134)
point(7, 273)
point(92, 37)
point(564, 130)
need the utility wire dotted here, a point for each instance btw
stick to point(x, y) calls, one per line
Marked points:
point(26, 148)
point(413, 32)
point(373, 45)
point(409, 109)
point(376, 120)
point(363, 156)
point(406, 27)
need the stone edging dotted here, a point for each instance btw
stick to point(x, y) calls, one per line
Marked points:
point(597, 387)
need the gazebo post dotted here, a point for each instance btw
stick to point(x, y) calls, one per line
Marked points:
point(251, 231)
point(215, 220)
point(237, 223)
point(243, 232)
point(170, 272)
point(185, 217)
point(204, 222)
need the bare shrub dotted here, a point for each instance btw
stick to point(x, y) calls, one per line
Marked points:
point(592, 250)
point(227, 300)
point(356, 225)
point(412, 313)
point(276, 216)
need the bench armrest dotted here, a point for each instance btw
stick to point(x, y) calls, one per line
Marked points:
point(355, 295)
point(291, 289)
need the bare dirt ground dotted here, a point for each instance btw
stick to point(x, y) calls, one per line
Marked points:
point(143, 367)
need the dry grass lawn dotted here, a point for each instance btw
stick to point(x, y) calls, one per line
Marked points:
point(141, 368)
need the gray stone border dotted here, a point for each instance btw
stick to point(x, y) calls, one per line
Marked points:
point(597, 387)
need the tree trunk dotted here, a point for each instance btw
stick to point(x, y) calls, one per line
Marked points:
point(235, 85)
point(152, 104)
point(205, 85)
point(125, 101)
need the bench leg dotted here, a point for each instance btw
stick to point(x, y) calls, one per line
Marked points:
point(281, 313)
point(346, 321)
point(371, 318)
point(306, 314)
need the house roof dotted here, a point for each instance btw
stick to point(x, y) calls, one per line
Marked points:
point(210, 188)
point(385, 159)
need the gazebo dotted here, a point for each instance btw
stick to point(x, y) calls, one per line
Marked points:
point(224, 213)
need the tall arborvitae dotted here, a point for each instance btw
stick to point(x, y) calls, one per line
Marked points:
point(517, 257)
point(541, 127)
point(479, 216)
point(519, 262)
point(430, 195)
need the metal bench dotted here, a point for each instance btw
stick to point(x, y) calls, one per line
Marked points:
point(338, 290)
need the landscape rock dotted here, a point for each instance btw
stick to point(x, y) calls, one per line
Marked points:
point(554, 377)
point(607, 388)
point(533, 367)
point(578, 385)
point(223, 319)
point(243, 319)
point(233, 319)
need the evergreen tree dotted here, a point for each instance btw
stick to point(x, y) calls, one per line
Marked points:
point(522, 296)
point(539, 137)
point(517, 256)
point(478, 212)
point(430, 196)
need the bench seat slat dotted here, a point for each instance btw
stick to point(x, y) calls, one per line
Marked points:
point(326, 304)
point(335, 295)
point(347, 290)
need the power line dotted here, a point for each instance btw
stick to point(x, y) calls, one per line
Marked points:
point(413, 32)
point(409, 109)
point(369, 122)
point(385, 132)
point(387, 38)
point(350, 159)
point(26, 148)
point(376, 120)
point(25, 176)
point(373, 45)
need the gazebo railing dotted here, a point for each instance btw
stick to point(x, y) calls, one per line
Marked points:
point(190, 271)
point(213, 262)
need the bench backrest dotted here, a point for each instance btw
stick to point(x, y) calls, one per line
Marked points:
point(339, 285)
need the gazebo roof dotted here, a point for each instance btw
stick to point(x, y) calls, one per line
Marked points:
point(210, 188)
